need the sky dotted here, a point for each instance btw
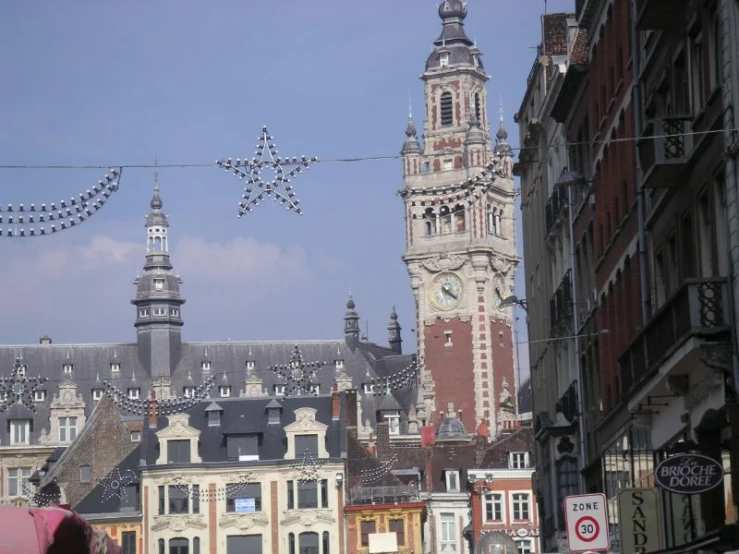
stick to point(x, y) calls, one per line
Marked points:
point(185, 82)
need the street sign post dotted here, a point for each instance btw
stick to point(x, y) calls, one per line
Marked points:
point(586, 516)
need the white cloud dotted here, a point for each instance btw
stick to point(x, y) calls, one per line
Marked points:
point(82, 292)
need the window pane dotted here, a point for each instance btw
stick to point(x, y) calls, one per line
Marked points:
point(244, 544)
point(308, 543)
point(367, 528)
point(178, 546)
point(305, 443)
point(245, 499)
point(308, 494)
point(243, 447)
point(178, 452)
point(128, 542)
point(178, 501)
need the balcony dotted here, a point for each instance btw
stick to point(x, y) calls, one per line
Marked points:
point(657, 14)
point(360, 495)
point(698, 309)
point(561, 307)
point(664, 150)
point(556, 210)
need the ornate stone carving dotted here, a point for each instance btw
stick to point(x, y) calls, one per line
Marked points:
point(701, 388)
point(253, 386)
point(66, 404)
point(717, 355)
point(305, 421)
point(444, 262)
point(343, 381)
point(243, 520)
point(178, 427)
point(179, 523)
point(307, 518)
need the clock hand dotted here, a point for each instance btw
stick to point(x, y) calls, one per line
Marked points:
point(447, 289)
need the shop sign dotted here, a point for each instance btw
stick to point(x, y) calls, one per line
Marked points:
point(639, 521)
point(689, 474)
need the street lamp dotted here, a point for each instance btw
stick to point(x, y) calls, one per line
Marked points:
point(514, 300)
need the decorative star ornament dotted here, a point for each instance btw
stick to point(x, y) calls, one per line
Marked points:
point(114, 484)
point(19, 389)
point(279, 187)
point(299, 376)
point(308, 468)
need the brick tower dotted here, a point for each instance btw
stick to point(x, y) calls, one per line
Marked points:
point(460, 252)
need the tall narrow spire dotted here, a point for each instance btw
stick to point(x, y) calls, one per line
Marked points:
point(410, 146)
point(156, 201)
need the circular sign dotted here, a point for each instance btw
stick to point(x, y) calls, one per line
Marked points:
point(689, 474)
point(587, 529)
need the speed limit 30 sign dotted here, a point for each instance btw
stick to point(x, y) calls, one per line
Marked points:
point(587, 522)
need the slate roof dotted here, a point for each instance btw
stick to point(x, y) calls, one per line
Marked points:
point(98, 502)
point(249, 415)
point(92, 365)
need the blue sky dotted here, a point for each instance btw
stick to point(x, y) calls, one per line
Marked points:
point(189, 82)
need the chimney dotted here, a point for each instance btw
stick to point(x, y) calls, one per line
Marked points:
point(383, 440)
point(335, 403)
point(46, 339)
point(153, 409)
point(351, 408)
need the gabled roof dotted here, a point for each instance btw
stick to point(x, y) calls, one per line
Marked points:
point(100, 501)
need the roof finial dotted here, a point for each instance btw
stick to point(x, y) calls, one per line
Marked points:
point(500, 108)
point(156, 201)
point(410, 106)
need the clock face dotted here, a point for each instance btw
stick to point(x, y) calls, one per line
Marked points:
point(446, 291)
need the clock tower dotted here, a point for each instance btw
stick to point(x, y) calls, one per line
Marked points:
point(460, 237)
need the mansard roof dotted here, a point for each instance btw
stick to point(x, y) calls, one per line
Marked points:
point(91, 366)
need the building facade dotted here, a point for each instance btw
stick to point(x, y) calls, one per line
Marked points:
point(461, 252)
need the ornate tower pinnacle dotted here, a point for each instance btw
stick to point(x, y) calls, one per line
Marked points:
point(411, 145)
point(158, 300)
point(351, 323)
point(393, 333)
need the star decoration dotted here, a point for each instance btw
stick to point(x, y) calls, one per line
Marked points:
point(308, 468)
point(279, 188)
point(114, 484)
point(299, 376)
point(19, 389)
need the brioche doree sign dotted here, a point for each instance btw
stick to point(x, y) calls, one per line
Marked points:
point(689, 474)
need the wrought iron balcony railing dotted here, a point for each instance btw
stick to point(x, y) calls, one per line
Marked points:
point(556, 209)
point(698, 308)
point(665, 147)
point(360, 495)
point(561, 307)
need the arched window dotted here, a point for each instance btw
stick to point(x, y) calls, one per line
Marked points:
point(459, 218)
point(179, 545)
point(291, 543)
point(429, 224)
point(161, 546)
point(478, 108)
point(158, 244)
point(446, 108)
point(446, 219)
point(499, 222)
point(326, 543)
point(308, 543)
point(491, 220)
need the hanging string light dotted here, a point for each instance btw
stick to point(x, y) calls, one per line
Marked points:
point(470, 190)
point(300, 378)
point(116, 482)
point(375, 474)
point(231, 489)
point(65, 215)
point(19, 389)
point(279, 188)
point(160, 407)
point(308, 467)
point(39, 498)
point(404, 379)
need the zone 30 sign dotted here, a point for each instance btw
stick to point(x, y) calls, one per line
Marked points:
point(587, 523)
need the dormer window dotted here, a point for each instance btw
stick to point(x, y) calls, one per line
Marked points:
point(188, 392)
point(393, 422)
point(178, 451)
point(339, 364)
point(21, 371)
point(224, 391)
point(452, 480)
point(315, 390)
point(20, 431)
point(67, 429)
point(244, 448)
point(205, 366)
point(279, 390)
point(444, 59)
point(250, 364)
point(135, 436)
point(39, 396)
point(97, 394)
point(67, 369)
point(518, 460)
point(158, 284)
point(368, 388)
point(115, 367)
point(134, 394)
point(306, 445)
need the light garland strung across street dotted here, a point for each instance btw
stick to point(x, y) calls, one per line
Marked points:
point(19, 389)
point(163, 406)
point(369, 476)
point(41, 499)
point(299, 376)
point(279, 188)
point(403, 379)
point(214, 495)
point(308, 467)
point(472, 189)
point(66, 215)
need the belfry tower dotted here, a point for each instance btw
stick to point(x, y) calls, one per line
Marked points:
point(460, 250)
point(158, 301)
